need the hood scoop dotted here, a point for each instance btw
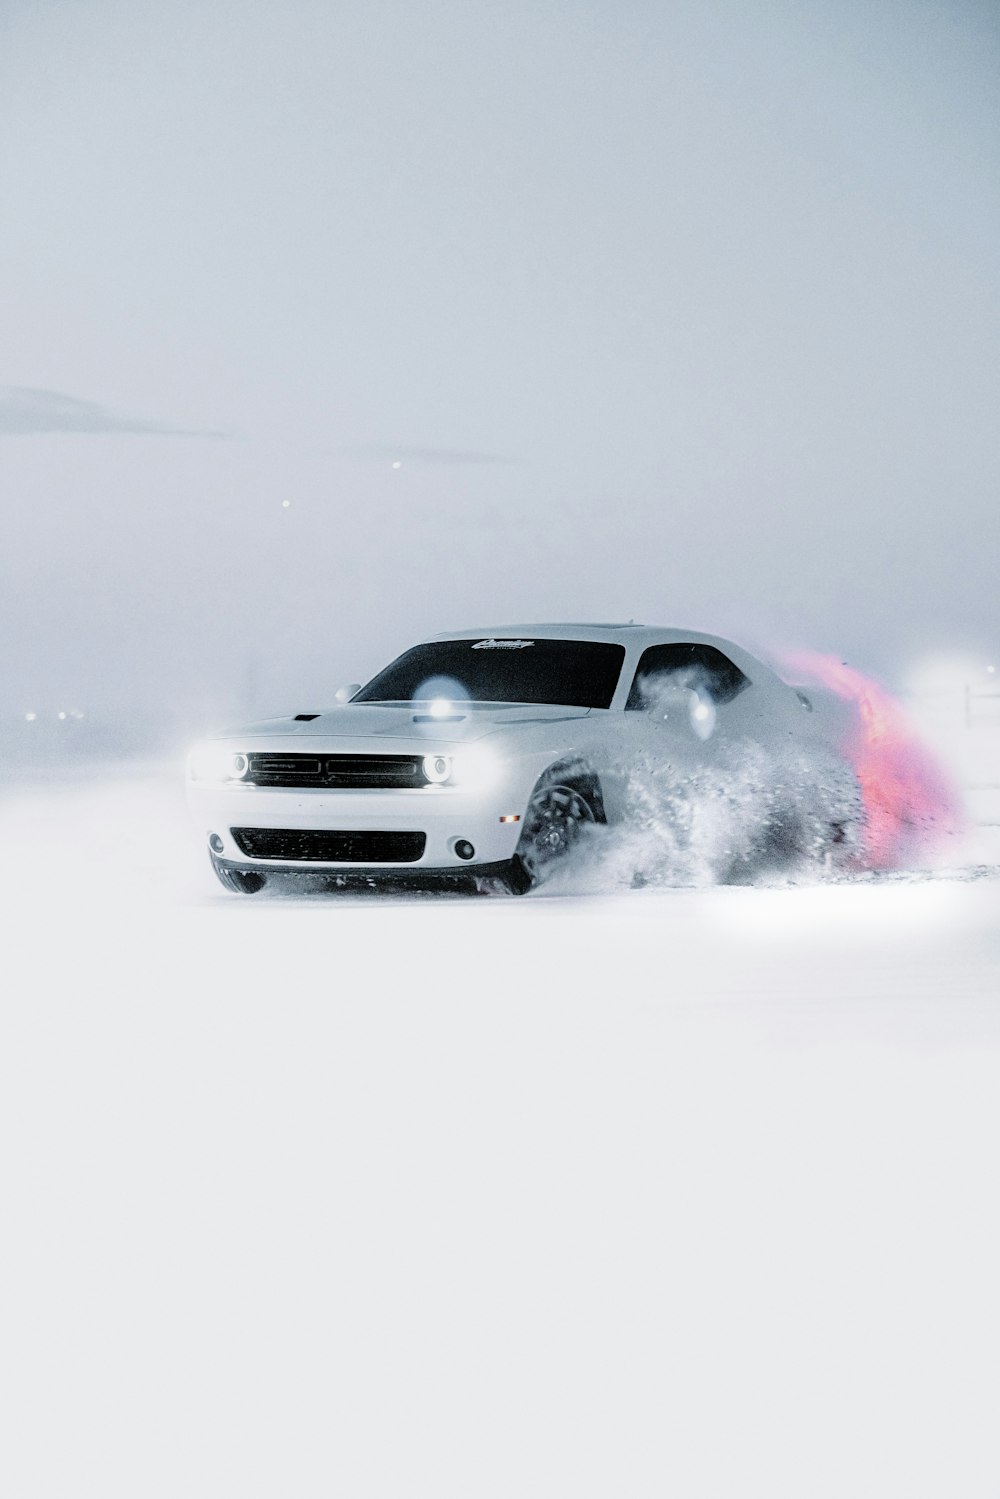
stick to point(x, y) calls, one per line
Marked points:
point(304, 717)
point(439, 718)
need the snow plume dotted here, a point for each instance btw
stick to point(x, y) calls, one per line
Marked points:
point(682, 696)
point(749, 814)
point(908, 803)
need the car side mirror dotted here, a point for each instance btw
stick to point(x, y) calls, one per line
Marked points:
point(344, 694)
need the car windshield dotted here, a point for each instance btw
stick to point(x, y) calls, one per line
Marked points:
point(502, 669)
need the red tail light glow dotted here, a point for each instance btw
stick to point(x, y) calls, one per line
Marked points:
point(908, 801)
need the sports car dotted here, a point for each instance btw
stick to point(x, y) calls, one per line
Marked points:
point(483, 756)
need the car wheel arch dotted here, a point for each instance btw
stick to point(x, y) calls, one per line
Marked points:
point(576, 773)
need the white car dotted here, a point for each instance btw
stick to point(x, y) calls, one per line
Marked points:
point(486, 753)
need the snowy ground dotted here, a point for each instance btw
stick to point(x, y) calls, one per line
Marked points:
point(670, 1192)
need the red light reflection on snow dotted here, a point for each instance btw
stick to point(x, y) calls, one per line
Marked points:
point(907, 799)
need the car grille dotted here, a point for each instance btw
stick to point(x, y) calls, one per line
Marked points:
point(331, 771)
point(329, 847)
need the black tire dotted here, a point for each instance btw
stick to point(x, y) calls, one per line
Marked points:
point(556, 816)
point(241, 881)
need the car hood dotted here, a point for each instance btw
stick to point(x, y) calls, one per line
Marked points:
point(408, 721)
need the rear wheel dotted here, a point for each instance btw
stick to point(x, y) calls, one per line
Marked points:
point(556, 816)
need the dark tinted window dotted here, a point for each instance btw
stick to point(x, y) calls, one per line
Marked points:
point(701, 667)
point(572, 673)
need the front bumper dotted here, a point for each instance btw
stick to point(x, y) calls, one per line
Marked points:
point(447, 818)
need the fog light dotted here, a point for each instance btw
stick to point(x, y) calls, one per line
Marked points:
point(464, 849)
point(215, 843)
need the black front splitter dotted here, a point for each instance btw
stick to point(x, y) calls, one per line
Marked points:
point(233, 874)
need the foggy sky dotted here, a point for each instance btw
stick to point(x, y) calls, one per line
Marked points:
point(685, 313)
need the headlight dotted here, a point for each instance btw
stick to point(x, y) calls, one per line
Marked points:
point(437, 768)
point(476, 768)
point(213, 762)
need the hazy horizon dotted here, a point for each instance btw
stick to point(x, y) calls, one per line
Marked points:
point(680, 313)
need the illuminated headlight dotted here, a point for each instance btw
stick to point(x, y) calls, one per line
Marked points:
point(476, 769)
point(212, 762)
point(437, 768)
point(472, 769)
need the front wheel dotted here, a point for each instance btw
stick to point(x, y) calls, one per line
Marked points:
point(555, 818)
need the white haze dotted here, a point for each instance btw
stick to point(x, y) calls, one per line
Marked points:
point(686, 313)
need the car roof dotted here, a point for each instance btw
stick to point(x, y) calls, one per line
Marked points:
point(624, 634)
point(556, 631)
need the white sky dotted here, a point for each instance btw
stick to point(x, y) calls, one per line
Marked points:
point(715, 287)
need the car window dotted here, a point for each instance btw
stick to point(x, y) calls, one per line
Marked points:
point(703, 668)
point(508, 669)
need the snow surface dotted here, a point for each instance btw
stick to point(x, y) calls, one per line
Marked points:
point(665, 1192)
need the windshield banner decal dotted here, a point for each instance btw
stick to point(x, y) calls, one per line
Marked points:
point(501, 645)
